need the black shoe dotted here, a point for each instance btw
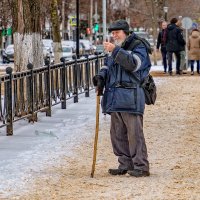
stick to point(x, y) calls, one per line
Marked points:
point(170, 73)
point(117, 171)
point(138, 173)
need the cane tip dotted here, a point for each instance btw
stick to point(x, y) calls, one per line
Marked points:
point(92, 175)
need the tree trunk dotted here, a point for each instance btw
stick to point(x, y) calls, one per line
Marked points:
point(154, 23)
point(56, 31)
point(152, 7)
point(27, 34)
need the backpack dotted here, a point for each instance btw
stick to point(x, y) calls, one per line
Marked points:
point(149, 88)
point(147, 83)
point(138, 40)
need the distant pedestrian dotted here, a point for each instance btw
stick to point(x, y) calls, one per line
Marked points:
point(174, 44)
point(182, 52)
point(194, 49)
point(161, 43)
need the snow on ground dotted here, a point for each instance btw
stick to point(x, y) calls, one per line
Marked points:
point(41, 142)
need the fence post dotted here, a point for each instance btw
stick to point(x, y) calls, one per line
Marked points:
point(31, 92)
point(97, 63)
point(9, 103)
point(63, 81)
point(75, 80)
point(48, 82)
point(87, 85)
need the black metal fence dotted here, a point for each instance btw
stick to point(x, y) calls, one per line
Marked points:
point(24, 94)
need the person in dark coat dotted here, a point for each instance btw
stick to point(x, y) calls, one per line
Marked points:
point(174, 44)
point(124, 99)
point(161, 43)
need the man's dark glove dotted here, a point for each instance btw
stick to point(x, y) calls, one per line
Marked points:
point(99, 82)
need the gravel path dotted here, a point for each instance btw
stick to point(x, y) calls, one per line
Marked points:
point(172, 131)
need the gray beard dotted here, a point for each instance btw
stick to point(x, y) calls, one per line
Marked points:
point(118, 43)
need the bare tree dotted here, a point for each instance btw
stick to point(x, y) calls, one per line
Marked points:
point(118, 9)
point(26, 33)
point(57, 48)
point(5, 23)
point(185, 8)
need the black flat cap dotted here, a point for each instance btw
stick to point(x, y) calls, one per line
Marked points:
point(119, 25)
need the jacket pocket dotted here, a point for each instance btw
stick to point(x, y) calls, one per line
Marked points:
point(107, 99)
point(125, 98)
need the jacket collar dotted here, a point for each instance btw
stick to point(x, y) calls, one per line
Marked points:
point(128, 41)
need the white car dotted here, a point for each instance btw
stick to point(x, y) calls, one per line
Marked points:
point(8, 54)
point(47, 42)
point(70, 43)
point(67, 52)
point(47, 45)
point(88, 47)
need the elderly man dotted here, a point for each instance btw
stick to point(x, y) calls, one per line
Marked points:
point(123, 98)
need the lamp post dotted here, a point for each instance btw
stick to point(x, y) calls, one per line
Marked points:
point(77, 29)
point(104, 19)
point(165, 8)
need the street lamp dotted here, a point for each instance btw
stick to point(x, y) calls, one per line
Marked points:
point(77, 29)
point(165, 8)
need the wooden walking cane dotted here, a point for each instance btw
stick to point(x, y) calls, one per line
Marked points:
point(96, 134)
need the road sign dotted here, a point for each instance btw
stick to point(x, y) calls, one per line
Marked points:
point(72, 21)
point(194, 25)
point(187, 23)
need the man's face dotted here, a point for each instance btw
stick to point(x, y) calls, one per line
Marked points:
point(119, 37)
point(164, 25)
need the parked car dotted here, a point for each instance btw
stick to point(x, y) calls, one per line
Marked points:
point(47, 45)
point(99, 48)
point(81, 48)
point(70, 43)
point(8, 54)
point(88, 47)
point(47, 42)
point(67, 52)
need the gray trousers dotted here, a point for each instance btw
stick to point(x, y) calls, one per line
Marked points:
point(128, 141)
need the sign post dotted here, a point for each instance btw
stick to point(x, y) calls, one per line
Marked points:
point(186, 24)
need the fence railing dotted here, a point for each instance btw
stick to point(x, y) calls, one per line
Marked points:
point(24, 94)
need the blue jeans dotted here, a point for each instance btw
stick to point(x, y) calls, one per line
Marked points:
point(192, 65)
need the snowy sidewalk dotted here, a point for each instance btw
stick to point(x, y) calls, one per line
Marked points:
point(35, 146)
